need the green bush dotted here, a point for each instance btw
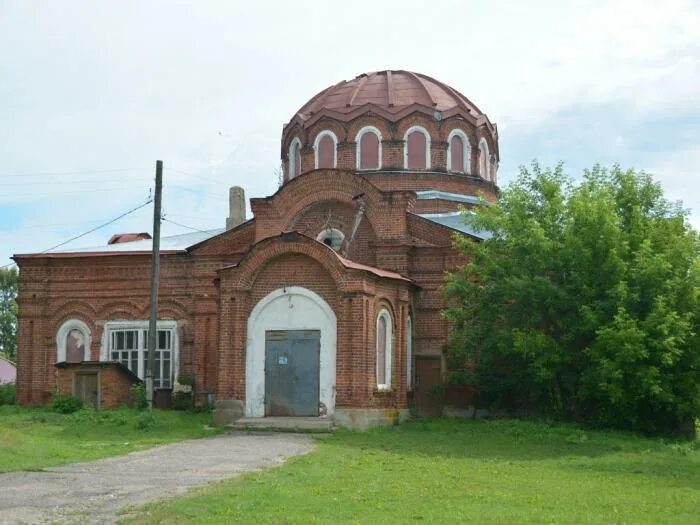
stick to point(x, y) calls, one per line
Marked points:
point(7, 394)
point(65, 404)
point(138, 396)
point(145, 421)
point(183, 401)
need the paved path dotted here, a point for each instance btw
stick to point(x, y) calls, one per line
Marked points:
point(94, 491)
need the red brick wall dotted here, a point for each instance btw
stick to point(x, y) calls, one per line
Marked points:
point(114, 384)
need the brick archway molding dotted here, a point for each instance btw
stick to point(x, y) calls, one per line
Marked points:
point(289, 308)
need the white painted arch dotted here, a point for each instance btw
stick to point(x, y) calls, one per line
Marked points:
point(425, 133)
point(358, 148)
point(289, 308)
point(62, 335)
point(334, 138)
point(466, 147)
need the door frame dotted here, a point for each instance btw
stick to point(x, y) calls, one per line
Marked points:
point(289, 308)
point(89, 373)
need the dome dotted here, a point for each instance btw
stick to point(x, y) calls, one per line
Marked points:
point(391, 92)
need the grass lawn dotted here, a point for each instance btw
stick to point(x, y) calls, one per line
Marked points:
point(447, 471)
point(35, 438)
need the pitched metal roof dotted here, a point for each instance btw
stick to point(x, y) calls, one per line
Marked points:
point(444, 195)
point(169, 244)
point(456, 221)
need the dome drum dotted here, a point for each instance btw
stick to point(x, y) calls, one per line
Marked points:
point(391, 121)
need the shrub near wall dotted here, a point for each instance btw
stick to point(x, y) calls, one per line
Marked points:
point(585, 304)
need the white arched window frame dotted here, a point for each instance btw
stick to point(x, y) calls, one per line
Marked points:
point(484, 159)
point(331, 237)
point(388, 338)
point(466, 150)
point(62, 338)
point(292, 157)
point(409, 352)
point(329, 133)
point(425, 133)
point(358, 148)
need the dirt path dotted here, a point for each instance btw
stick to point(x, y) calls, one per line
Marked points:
point(93, 492)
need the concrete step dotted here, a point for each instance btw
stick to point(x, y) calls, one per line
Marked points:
point(285, 424)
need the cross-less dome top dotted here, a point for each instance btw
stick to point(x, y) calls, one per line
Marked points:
point(390, 91)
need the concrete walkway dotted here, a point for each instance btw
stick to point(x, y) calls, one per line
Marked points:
point(93, 492)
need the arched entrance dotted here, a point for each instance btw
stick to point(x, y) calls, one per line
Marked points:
point(290, 323)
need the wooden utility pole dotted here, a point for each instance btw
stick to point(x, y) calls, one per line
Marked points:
point(155, 276)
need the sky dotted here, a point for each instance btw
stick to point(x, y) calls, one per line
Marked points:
point(93, 93)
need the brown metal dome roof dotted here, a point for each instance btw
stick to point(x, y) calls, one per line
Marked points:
point(389, 91)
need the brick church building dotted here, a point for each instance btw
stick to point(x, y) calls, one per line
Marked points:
point(327, 302)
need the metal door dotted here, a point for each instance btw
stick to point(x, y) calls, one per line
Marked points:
point(86, 388)
point(427, 394)
point(292, 372)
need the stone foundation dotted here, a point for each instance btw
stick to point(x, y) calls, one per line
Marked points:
point(227, 411)
point(366, 418)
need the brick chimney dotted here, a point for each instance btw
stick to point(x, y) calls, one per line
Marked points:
point(236, 207)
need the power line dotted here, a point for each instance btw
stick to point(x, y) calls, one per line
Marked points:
point(185, 226)
point(201, 192)
point(84, 181)
point(91, 230)
point(76, 192)
point(100, 226)
point(56, 173)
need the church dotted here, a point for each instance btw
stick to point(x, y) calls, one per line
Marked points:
point(325, 303)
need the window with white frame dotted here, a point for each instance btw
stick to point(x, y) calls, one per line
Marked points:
point(484, 159)
point(325, 150)
point(331, 237)
point(416, 153)
point(128, 344)
point(458, 158)
point(369, 148)
point(73, 342)
point(384, 339)
point(294, 158)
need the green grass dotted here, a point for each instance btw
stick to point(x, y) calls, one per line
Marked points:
point(35, 438)
point(447, 471)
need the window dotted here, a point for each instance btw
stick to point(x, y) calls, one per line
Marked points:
point(325, 150)
point(128, 344)
point(294, 158)
point(331, 237)
point(484, 159)
point(384, 338)
point(73, 342)
point(416, 149)
point(369, 148)
point(409, 352)
point(458, 158)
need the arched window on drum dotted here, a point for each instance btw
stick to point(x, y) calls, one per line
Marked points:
point(416, 154)
point(484, 159)
point(294, 158)
point(369, 148)
point(458, 152)
point(325, 150)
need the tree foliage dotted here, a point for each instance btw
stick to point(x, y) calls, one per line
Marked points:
point(8, 312)
point(585, 303)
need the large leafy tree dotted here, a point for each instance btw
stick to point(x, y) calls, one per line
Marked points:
point(8, 312)
point(585, 303)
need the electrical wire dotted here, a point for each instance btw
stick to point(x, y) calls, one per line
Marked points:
point(149, 201)
point(52, 174)
point(185, 226)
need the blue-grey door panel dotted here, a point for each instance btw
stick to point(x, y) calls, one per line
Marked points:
point(292, 372)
